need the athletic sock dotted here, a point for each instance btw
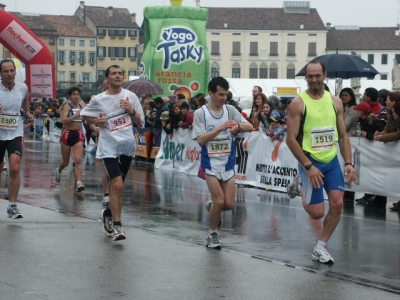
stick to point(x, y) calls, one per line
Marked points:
point(321, 244)
point(117, 223)
point(212, 231)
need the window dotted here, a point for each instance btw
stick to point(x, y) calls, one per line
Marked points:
point(132, 52)
point(61, 76)
point(312, 49)
point(72, 77)
point(290, 71)
point(132, 73)
point(132, 33)
point(291, 34)
point(235, 72)
point(253, 33)
point(273, 34)
point(214, 69)
point(397, 58)
point(215, 33)
point(72, 57)
point(214, 48)
point(273, 71)
point(52, 41)
point(92, 43)
point(101, 75)
point(61, 42)
point(236, 33)
point(214, 72)
point(72, 42)
point(384, 59)
point(273, 49)
point(81, 43)
point(291, 49)
point(236, 50)
point(116, 52)
point(253, 71)
point(253, 48)
point(101, 32)
point(101, 51)
point(92, 57)
point(81, 57)
point(61, 56)
point(85, 77)
point(263, 71)
point(312, 34)
point(116, 32)
point(371, 59)
point(384, 77)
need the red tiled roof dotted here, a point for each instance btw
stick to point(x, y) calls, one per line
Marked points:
point(121, 17)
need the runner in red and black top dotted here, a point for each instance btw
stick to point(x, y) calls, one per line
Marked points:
point(72, 137)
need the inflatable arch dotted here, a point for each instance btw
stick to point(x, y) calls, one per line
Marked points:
point(25, 45)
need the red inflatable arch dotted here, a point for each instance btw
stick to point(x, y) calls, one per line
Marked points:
point(25, 45)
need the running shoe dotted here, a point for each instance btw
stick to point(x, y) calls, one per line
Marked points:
point(293, 189)
point(213, 241)
point(322, 255)
point(57, 177)
point(105, 201)
point(79, 186)
point(119, 233)
point(208, 205)
point(13, 212)
point(106, 216)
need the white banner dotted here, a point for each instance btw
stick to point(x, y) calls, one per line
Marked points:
point(263, 163)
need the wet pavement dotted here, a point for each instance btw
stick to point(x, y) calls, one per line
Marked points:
point(58, 251)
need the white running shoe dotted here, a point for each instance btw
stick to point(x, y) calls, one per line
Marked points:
point(322, 255)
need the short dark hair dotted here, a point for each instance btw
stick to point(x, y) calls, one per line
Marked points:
point(217, 81)
point(73, 89)
point(315, 61)
point(158, 100)
point(5, 61)
point(180, 96)
point(349, 91)
point(372, 93)
point(108, 69)
point(259, 88)
point(394, 96)
point(383, 93)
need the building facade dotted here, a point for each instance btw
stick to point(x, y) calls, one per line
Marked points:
point(117, 37)
point(264, 42)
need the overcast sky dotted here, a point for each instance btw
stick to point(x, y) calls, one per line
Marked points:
point(378, 13)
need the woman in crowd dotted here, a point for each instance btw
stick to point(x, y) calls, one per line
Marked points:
point(350, 115)
point(175, 117)
point(264, 114)
point(72, 137)
point(257, 107)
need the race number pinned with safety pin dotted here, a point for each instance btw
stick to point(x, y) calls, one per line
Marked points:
point(9, 120)
point(323, 138)
point(219, 147)
point(119, 121)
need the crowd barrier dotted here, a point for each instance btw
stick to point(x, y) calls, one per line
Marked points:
point(268, 164)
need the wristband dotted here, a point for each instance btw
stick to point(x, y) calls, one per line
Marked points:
point(348, 164)
point(133, 114)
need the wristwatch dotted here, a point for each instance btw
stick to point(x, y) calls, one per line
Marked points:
point(134, 113)
point(308, 167)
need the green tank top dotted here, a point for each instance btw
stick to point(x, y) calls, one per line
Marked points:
point(318, 133)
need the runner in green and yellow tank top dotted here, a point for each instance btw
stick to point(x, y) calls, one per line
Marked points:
point(315, 125)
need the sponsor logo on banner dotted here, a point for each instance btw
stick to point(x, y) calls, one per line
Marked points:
point(22, 42)
point(242, 157)
point(42, 79)
point(178, 46)
point(172, 150)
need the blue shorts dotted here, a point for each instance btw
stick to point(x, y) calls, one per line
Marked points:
point(333, 180)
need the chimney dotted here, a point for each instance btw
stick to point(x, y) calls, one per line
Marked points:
point(197, 3)
point(82, 6)
point(225, 24)
point(133, 17)
point(110, 12)
point(328, 25)
point(2, 6)
point(301, 26)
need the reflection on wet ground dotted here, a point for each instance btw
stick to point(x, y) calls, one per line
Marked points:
point(263, 224)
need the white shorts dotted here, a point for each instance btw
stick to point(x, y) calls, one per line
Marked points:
point(223, 176)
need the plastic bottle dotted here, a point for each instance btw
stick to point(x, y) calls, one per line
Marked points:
point(358, 129)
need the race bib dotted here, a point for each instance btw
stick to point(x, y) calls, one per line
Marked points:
point(323, 138)
point(219, 147)
point(9, 120)
point(119, 121)
point(75, 111)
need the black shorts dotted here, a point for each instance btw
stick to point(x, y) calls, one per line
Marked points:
point(71, 137)
point(12, 146)
point(117, 166)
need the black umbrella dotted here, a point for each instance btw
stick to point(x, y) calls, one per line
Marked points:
point(344, 66)
point(143, 86)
